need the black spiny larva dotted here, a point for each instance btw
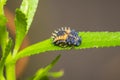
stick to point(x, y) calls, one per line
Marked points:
point(66, 37)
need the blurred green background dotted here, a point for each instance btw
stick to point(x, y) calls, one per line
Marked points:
point(81, 15)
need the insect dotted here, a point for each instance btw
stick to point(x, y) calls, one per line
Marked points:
point(66, 37)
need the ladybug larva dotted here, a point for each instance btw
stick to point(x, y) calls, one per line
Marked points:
point(66, 37)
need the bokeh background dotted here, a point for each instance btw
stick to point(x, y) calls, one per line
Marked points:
point(81, 15)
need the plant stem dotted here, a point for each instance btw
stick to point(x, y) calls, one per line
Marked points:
point(10, 71)
point(1, 73)
point(1, 69)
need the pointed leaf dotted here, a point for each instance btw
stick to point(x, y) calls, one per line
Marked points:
point(28, 7)
point(3, 33)
point(20, 23)
point(42, 73)
point(23, 20)
point(3, 59)
point(89, 40)
point(7, 51)
point(56, 74)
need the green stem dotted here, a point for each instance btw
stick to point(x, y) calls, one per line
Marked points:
point(1, 73)
point(10, 71)
point(2, 62)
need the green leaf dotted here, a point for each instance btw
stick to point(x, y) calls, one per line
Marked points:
point(20, 23)
point(43, 78)
point(8, 47)
point(23, 20)
point(56, 74)
point(3, 20)
point(28, 7)
point(7, 51)
point(41, 74)
point(89, 40)
point(3, 33)
point(99, 39)
point(2, 3)
point(3, 37)
point(3, 59)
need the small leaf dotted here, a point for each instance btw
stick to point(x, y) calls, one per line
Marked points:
point(3, 33)
point(56, 74)
point(3, 30)
point(42, 73)
point(20, 23)
point(8, 47)
point(23, 20)
point(89, 40)
point(7, 51)
point(43, 78)
point(3, 59)
point(28, 7)
point(2, 3)
point(3, 36)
